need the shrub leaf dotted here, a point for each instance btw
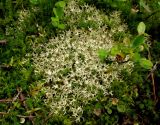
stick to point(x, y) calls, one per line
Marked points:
point(141, 28)
point(138, 41)
point(145, 63)
point(60, 4)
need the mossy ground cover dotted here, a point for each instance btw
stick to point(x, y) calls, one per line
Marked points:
point(54, 76)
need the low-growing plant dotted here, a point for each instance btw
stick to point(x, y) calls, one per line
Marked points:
point(130, 48)
point(58, 11)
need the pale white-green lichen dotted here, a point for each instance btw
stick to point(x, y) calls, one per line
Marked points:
point(69, 62)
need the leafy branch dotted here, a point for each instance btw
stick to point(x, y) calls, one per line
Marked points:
point(131, 48)
point(58, 12)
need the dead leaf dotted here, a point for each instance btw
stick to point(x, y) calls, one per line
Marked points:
point(33, 110)
point(114, 101)
point(97, 112)
point(3, 42)
point(21, 97)
point(133, 10)
point(22, 120)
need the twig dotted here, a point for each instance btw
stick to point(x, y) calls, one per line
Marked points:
point(21, 116)
point(153, 69)
point(152, 14)
point(3, 42)
point(152, 78)
point(3, 113)
point(6, 67)
point(21, 97)
point(16, 97)
point(6, 100)
point(153, 83)
point(49, 115)
point(30, 116)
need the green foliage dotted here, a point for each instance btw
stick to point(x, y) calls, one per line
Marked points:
point(6, 11)
point(121, 108)
point(115, 50)
point(16, 70)
point(141, 28)
point(147, 64)
point(102, 54)
point(132, 49)
point(58, 12)
point(139, 40)
point(126, 102)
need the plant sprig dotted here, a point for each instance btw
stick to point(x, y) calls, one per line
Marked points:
point(58, 15)
point(131, 48)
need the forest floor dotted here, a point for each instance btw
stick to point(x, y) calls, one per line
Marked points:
point(62, 76)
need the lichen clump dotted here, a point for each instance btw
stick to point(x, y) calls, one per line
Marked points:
point(70, 64)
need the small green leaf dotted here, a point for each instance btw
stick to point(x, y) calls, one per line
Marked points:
point(98, 106)
point(121, 108)
point(67, 122)
point(11, 62)
point(16, 104)
point(109, 111)
point(141, 28)
point(138, 41)
point(115, 50)
point(102, 54)
point(55, 21)
point(55, 12)
point(58, 12)
point(145, 63)
point(125, 50)
point(141, 106)
point(60, 4)
point(136, 57)
point(61, 26)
